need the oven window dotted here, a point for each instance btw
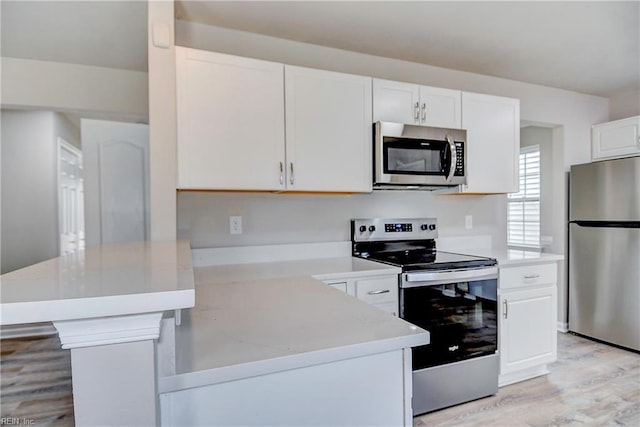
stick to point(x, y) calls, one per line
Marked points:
point(414, 157)
point(460, 317)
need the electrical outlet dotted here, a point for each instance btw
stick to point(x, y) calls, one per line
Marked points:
point(235, 224)
point(468, 222)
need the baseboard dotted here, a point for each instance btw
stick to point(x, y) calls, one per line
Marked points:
point(522, 375)
point(30, 330)
point(563, 327)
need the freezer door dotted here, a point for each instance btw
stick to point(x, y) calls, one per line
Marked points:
point(604, 284)
point(605, 191)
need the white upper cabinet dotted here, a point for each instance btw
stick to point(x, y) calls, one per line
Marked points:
point(415, 104)
point(231, 126)
point(493, 143)
point(620, 138)
point(328, 131)
point(230, 115)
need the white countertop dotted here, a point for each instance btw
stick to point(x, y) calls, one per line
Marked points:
point(104, 280)
point(338, 268)
point(513, 257)
point(245, 328)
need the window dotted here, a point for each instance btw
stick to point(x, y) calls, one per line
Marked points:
point(523, 219)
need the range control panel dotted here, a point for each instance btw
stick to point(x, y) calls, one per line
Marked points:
point(374, 229)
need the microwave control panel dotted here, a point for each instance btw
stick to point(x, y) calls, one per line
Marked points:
point(459, 159)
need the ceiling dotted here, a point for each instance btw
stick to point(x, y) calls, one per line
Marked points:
point(583, 46)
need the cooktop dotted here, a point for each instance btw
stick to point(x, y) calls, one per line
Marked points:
point(407, 243)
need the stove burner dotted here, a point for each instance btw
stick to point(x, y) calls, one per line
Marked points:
point(408, 257)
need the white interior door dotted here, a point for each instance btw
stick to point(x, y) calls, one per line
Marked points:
point(70, 198)
point(116, 170)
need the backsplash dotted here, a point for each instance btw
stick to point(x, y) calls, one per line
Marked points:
point(203, 217)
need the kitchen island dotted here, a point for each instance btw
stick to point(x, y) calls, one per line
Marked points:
point(267, 344)
point(263, 344)
point(106, 303)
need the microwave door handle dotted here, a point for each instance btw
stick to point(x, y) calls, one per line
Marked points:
point(454, 158)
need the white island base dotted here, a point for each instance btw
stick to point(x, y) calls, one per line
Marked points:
point(284, 351)
point(106, 303)
point(366, 390)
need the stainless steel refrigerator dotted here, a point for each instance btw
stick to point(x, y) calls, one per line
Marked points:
point(604, 251)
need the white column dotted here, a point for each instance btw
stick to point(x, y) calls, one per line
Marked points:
point(113, 369)
point(162, 119)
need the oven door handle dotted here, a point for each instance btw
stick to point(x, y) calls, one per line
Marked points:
point(453, 275)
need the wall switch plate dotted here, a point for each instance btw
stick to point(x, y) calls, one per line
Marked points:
point(235, 224)
point(468, 222)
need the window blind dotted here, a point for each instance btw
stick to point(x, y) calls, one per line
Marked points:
point(523, 219)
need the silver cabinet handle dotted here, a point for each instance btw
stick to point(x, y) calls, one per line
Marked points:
point(506, 309)
point(531, 276)
point(381, 291)
point(424, 112)
point(291, 175)
point(281, 173)
point(416, 112)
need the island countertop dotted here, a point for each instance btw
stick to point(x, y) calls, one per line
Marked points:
point(243, 326)
point(104, 280)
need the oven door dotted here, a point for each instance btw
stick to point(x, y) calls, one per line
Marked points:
point(418, 155)
point(460, 315)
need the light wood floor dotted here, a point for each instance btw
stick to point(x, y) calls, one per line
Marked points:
point(35, 377)
point(591, 384)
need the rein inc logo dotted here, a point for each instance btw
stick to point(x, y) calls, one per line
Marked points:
point(15, 421)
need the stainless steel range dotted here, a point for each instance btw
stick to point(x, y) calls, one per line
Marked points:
point(453, 296)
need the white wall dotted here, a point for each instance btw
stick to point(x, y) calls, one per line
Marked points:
point(553, 204)
point(535, 135)
point(203, 218)
point(111, 93)
point(29, 197)
point(625, 104)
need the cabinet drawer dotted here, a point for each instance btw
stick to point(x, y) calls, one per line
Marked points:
point(527, 275)
point(341, 286)
point(378, 291)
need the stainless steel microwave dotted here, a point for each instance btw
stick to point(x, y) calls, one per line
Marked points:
point(419, 157)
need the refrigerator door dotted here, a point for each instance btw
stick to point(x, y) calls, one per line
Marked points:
point(606, 191)
point(604, 284)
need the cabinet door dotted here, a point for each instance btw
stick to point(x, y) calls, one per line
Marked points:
point(528, 331)
point(230, 114)
point(440, 107)
point(380, 292)
point(396, 102)
point(620, 138)
point(493, 143)
point(328, 131)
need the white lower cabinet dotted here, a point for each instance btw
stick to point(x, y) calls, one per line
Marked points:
point(367, 390)
point(379, 291)
point(528, 321)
